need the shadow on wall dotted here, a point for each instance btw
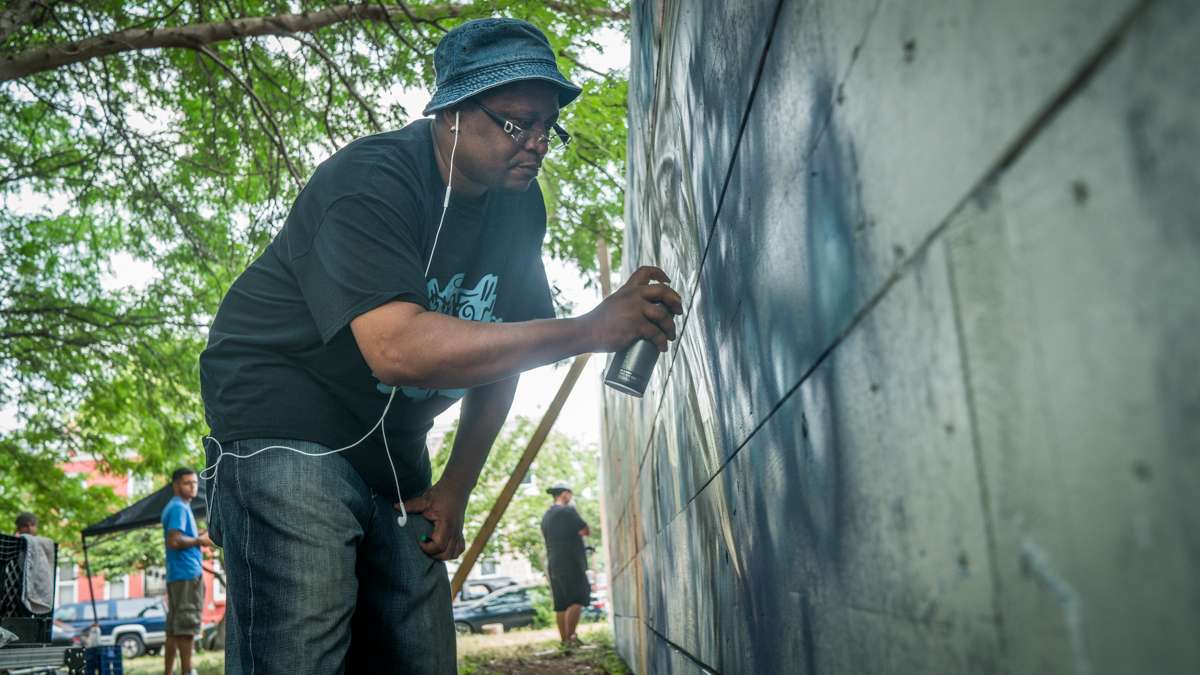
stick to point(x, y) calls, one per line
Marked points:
point(769, 320)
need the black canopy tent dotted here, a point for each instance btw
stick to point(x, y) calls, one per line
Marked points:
point(145, 512)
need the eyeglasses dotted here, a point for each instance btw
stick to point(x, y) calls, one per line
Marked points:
point(558, 139)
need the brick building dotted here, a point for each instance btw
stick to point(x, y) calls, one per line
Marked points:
point(72, 582)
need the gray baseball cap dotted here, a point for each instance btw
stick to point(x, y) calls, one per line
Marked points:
point(559, 487)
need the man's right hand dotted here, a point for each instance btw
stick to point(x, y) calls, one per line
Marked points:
point(204, 539)
point(405, 344)
point(639, 309)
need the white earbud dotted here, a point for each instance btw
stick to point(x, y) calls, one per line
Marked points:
point(211, 470)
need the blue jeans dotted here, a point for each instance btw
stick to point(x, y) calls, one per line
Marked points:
point(321, 579)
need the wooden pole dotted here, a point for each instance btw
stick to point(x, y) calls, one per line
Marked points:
point(605, 290)
point(602, 255)
point(518, 474)
point(531, 450)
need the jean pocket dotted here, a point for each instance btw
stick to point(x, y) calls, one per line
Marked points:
point(419, 531)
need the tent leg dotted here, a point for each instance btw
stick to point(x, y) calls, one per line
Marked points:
point(87, 568)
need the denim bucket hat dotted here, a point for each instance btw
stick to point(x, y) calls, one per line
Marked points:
point(486, 53)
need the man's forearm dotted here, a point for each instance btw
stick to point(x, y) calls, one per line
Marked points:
point(483, 413)
point(182, 542)
point(436, 351)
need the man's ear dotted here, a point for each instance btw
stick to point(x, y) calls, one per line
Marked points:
point(446, 118)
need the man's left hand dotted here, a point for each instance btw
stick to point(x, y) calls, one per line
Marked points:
point(445, 506)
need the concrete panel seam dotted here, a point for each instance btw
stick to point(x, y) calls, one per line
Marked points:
point(1100, 56)
point(976, 447)
point(695, 284)
point(851, 325)
point(862, 40)
point(721, 200)
point(700, 664)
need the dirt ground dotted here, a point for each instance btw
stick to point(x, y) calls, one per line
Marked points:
point(520, 652)
point(529, 652)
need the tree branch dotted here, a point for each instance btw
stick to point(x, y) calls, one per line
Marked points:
point(276, 135)
point(346, 82)
point(20, 13)
point(573, 59)
point(396, 31)
point(49, 57)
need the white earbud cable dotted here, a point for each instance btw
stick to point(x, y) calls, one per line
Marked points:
point(210, 471)
point(446, 201)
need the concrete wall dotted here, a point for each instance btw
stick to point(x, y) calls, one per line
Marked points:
point(935, 407)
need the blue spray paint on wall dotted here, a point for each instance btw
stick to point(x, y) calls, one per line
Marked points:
point(825, 472)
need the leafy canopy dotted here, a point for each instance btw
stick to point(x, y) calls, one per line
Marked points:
point(519, 532)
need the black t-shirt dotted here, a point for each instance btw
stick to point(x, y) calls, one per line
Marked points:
point(281, 360)
point(564, 547)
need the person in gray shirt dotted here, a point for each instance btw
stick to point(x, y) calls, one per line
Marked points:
point(566, 562)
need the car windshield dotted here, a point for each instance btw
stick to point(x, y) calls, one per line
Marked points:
point(67, 613)
point(511, 596)
point(475, 591)
point(132, 609)
point(81, 612)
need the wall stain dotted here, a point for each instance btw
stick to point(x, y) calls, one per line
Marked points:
point(1035, 563)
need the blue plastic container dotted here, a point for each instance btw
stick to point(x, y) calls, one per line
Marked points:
point(104, 660)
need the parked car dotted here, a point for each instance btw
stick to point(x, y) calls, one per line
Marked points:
point(597, 610)
point(477, 588)
point(137, 625)
point(512, 606)
point(63, 633)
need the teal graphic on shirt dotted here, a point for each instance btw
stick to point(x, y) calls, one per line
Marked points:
point(471, 304)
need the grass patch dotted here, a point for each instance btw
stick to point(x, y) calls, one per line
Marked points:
point(205, 663)
point(538, 652)
point(523, 652)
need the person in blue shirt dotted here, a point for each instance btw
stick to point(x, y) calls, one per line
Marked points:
point(185, 577)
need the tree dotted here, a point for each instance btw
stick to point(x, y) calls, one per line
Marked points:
point(177, 133)
point(126, 552)
point(560, 460)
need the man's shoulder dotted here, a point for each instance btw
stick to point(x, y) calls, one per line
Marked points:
point(559, 510)
point(376, 162)
point(173, 507)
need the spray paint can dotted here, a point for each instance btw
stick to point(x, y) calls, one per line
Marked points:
point(631, 368)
